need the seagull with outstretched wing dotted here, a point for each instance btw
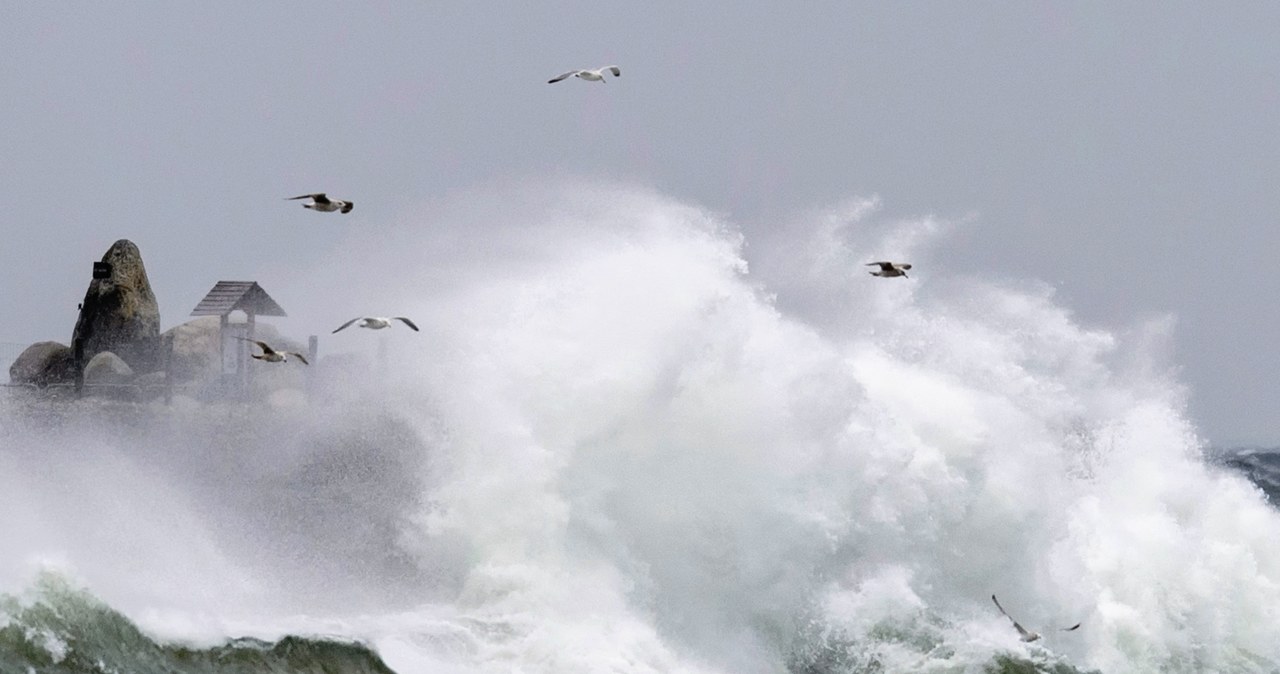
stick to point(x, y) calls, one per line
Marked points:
point(377, 322)
point(890, 269)
point(1026, 634)
point(596, 75)
point(270, 355)
point(321, 202)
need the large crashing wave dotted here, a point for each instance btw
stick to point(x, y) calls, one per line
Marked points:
point(654, 444)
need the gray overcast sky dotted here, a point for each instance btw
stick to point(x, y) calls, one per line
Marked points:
point(1125, 153)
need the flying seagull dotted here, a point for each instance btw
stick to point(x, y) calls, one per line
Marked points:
point(377, 322)
point(596, 75)
point(890, 269)
point(320, 202)
point(1027, 635)
point(271, 355)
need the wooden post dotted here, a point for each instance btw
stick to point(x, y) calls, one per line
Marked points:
point(222, 344)
point(251, 333)
point(227, 382)
point(166, 353)
point(313, 352)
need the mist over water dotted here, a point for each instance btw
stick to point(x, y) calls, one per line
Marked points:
point(632, 438)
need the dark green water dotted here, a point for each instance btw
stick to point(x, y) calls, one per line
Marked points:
point(62, 630)
point(59, 629)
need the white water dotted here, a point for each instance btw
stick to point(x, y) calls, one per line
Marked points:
point(654, 446)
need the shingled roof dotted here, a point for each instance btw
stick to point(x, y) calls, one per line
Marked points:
point(246, 296)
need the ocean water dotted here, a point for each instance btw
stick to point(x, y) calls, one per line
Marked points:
point(634, 438)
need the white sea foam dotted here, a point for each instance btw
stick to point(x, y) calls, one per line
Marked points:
point(654, 445)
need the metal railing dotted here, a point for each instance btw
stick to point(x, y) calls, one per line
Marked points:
point(234, 384)
point(164, 389)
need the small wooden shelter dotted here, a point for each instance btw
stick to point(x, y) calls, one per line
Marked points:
point(229, 296)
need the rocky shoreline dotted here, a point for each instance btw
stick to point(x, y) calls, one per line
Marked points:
point(117, 349)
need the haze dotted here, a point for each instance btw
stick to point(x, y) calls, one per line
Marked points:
point(1124, 153)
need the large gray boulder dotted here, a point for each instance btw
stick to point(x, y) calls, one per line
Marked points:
point(107, 368)
point(119, 313)
point(43, 363)
point(195, 349)
point(104, 374)
point(196, 355)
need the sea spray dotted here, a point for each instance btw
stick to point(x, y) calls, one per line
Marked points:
point(631, 438)
point(645, 406)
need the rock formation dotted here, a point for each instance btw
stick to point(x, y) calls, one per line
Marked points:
point(119, 313)
point(107, 368)
point(43, 363)
point(121, 353)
